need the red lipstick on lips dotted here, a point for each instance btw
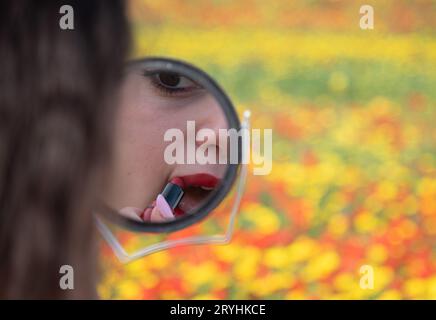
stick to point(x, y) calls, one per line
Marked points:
point(200, 180)
point(178, 181)
point(196, 180)
point(204, 180)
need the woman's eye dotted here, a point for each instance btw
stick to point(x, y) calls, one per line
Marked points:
point(172, 84)
point(173, 80)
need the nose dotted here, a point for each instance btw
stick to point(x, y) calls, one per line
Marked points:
point(211, 116)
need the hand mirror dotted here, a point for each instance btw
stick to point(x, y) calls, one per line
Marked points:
point(177, 148)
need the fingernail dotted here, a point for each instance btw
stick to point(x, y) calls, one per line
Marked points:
point(156, 216)
point(147, 213)
point(164, 207)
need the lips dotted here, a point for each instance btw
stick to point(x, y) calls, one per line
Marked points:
point(201, 180)
point(196, 189)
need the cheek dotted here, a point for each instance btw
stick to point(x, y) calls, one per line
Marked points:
point(139, 168)
point(143, 149)
point(139, 148)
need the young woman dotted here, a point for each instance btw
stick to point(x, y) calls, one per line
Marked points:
point(57, 97)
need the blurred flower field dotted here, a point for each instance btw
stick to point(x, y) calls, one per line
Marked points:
point(354, 150)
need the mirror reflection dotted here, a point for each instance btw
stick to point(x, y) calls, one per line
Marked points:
point(168, 158)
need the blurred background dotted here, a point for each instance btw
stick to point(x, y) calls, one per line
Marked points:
point(354, 149)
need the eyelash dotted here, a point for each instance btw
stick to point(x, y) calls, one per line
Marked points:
point(169, 92)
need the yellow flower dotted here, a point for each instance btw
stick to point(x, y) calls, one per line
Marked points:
point(147, 279)
point(377, 253)
point(227, 253)
point(137, 267)
point(128, 289)
point(427, 187)
point(410, 205)
point(431, 288)
point(345, 281)
point(196, 275)
point(264, 219)
point(415, 288)
point(320, 266)
point(337, 225)
point(365, 222)
point(382, 277)
point(159, 260)
point(296, 295)
point(386, 190)
point(277, 257)
point(247, 264)
point(302, 249)
point(205, 296)
point(169, 295)
point(271, 283)
point(390, 295)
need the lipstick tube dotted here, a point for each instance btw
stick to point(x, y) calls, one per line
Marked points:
point(172, 193)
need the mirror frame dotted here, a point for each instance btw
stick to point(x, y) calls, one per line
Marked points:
point(216, 197)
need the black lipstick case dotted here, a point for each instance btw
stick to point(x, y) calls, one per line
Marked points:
point(172, 194)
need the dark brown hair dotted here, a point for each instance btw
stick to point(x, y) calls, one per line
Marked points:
point(57, 97)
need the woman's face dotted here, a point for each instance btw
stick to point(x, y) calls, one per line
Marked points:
point(151, 104)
